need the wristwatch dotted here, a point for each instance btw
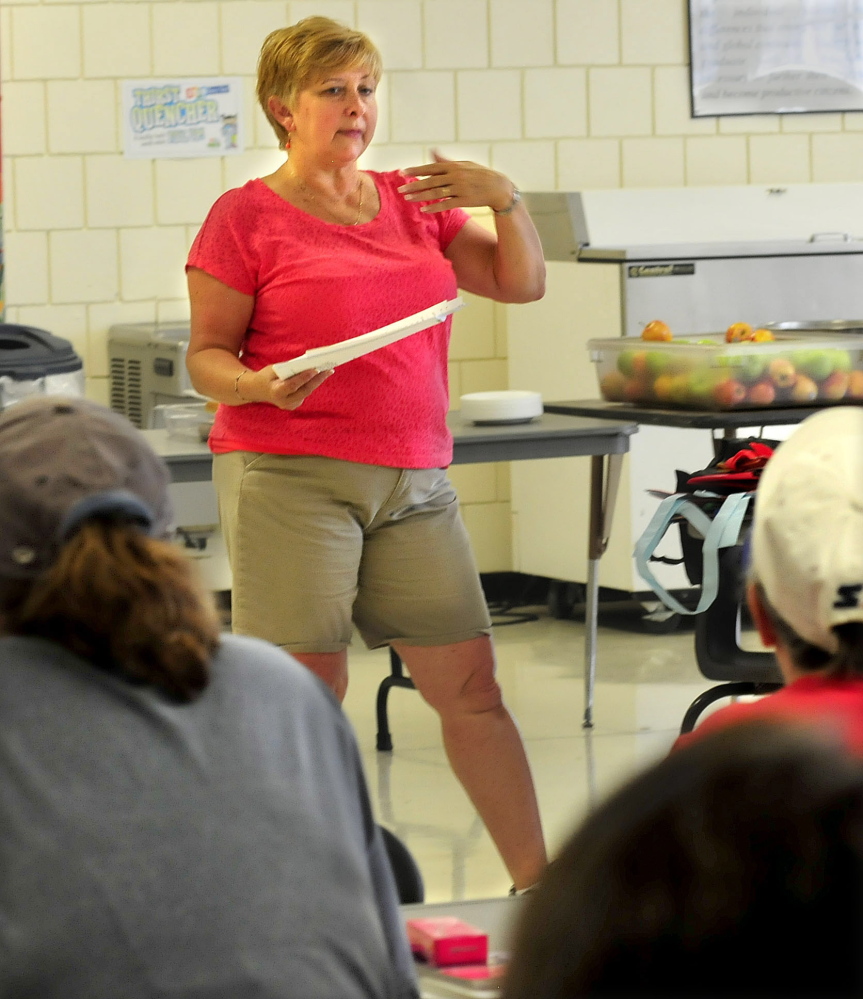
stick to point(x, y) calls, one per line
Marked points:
point(516, 198)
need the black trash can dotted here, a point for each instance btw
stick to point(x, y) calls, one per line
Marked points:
point(35, 362)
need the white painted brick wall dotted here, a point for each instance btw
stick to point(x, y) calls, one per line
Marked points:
point(559, 94)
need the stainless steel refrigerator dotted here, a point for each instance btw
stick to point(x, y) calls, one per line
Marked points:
point(697, 258)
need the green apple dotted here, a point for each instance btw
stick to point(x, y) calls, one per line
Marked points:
point(817, 364)
point(841, 360)
point(658, 362)
point(751, 366)
point(701, 384)
point(626, 362)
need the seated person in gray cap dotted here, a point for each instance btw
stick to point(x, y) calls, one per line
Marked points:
point(182, 813)
point(805, 589)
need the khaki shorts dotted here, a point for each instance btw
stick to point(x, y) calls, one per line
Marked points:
point(317, 544)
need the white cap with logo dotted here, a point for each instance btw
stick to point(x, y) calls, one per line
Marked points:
point(807, 538)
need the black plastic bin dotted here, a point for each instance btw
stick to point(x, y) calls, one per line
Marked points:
point(35, 362)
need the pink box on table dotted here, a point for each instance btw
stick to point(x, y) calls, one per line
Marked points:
point(446, 940)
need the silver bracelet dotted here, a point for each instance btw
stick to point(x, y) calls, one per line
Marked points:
point(516, 198)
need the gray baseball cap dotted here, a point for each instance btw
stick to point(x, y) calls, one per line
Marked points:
point(63, 460)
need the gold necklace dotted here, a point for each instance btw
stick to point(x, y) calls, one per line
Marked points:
point(360, 187)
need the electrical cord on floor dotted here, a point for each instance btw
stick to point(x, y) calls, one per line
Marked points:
point(505, 612)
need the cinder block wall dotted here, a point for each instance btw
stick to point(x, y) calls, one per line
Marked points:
point(559, 94)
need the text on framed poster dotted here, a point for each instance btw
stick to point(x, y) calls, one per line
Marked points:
point(775, 56)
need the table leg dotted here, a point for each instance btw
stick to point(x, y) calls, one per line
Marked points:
point(604, 481)
point(591, 613)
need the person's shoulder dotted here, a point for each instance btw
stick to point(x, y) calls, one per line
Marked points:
point(240, 197)
point(386, 178)
point(29, 650)
point(388, 183)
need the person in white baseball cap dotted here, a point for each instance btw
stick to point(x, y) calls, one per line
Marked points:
point(805, 581)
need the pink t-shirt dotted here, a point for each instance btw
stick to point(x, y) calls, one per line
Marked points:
point(317, 283)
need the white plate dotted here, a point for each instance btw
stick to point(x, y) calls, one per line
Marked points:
point(514, 406)
point(323, 358)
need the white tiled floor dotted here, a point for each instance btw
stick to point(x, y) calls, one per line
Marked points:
point(645, 683)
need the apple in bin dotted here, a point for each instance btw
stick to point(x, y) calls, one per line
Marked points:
point(835, 386)
point(841, 359)
point(804, 389)
point(632, 363)
point(750, 367)
point(781, 372)
point(855, 384)
point(729, 393)
point(656, 362)
point(611, 385)
point(663, 388)
point(816, 363)
point(701, 385)
point(762, 393)
point(625, 361)
point(636, 390)
point(681, 389)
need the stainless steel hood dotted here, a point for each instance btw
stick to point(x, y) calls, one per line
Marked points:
point(699, 223)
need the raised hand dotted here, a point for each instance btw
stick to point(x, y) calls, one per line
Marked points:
point(447, 184)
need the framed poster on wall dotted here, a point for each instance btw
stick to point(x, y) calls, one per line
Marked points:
point(182, 118)
point(775, 56)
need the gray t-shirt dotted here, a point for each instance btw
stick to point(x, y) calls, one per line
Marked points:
point(224, 848)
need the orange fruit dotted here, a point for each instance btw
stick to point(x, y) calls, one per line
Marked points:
point(656, 329)
point(737, 332)
point(762, 336)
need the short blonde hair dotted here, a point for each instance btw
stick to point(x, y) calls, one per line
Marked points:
point(291, 58)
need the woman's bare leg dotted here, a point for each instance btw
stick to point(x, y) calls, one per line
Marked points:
point(331, 667)
point(484, 747)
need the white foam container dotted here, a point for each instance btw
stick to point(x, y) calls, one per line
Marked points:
point(510, 406)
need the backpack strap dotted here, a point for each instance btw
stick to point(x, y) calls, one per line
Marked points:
point(720, 531)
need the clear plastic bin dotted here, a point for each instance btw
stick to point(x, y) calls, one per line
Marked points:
point(190, 421)
point(706, 373)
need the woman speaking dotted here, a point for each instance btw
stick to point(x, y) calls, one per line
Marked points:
point(333, 494)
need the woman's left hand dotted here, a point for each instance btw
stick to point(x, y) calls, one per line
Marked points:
point(457, 184)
